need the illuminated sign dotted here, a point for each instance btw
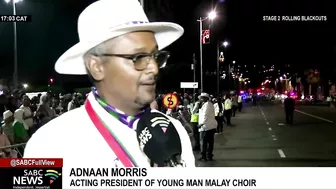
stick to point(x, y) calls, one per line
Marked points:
point(221, 57)
point(206, 36)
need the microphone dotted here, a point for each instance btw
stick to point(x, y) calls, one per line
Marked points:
point(159, 140)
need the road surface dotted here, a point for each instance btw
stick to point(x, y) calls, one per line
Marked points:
point(261, 139)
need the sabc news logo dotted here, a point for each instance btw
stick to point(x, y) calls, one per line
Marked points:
point(53, 175)
point(36, 177)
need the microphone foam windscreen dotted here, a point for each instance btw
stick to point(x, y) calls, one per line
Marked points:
point(158, 138)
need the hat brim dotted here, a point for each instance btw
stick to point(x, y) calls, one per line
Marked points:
point(71, 62)
point(200, 96)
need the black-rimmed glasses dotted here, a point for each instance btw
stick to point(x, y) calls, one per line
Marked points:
point(141, 60)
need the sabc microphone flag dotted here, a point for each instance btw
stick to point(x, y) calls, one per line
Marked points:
point(159, 139)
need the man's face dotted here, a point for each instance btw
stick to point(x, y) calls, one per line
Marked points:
point(205, 99)
point(54, 103)
point(26, 100)
point(9, 120)
point(119, 76)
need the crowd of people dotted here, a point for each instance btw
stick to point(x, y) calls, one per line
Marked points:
point(21, 116)
point(208, 116)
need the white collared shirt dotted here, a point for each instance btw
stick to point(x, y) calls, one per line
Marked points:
point(207, 117)
point(27, 112)
point(216, 106)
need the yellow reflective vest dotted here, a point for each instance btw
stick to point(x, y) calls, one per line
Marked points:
point(194, 113)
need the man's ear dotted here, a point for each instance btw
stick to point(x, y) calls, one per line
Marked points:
point(95, 66)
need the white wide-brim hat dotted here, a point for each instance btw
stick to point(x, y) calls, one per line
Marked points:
point(107, 19)
point(204, 95)
point(7, 114)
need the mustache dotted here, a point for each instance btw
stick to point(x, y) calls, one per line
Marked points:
point(150, 80)
point(154, 79)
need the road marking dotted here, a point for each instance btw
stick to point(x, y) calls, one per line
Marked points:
point(262, 113)
point(270, 128)
point(281, 153)
point(281, 124)
point(274, 139)
point(317, 117)
point(273, 136)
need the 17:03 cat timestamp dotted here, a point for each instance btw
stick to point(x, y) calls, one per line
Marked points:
point(15, 18)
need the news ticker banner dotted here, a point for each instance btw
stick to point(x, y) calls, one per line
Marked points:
point(47, 174)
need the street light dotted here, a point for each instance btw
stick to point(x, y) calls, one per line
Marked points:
point(25, 85)
point(15, 73)
point(15, 1)
point(225, 44)
point(211, 16)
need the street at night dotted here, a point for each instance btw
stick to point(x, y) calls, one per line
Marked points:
point(261, 137)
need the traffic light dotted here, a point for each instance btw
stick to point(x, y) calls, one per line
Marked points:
point(51, 80)
point(206, 36)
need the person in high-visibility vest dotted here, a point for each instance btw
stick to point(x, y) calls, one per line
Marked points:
point(329, 101)
point(240, 103)
point(194, 124)
point(228, 109)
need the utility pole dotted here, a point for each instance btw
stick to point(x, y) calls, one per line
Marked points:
point(217, 68)
point(193, 67)
point(15, 74)
point(201, 51)
point(229, 77)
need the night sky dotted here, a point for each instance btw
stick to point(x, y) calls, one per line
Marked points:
point(252, 41)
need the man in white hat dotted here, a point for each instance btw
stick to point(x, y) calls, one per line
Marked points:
point(7, 125)
point(207, 127)
point(121, 52)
